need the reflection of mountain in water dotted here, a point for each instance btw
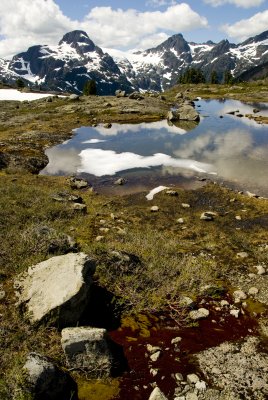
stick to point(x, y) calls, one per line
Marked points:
point(235, 148)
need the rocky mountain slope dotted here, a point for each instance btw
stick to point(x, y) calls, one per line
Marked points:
point(76, 59)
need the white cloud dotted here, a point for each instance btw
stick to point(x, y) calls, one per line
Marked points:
point(25, 22)
point(245, 28)
point(160, 3)
point(238, 3)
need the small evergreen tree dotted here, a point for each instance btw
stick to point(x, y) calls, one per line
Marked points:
point(228, 78)
point(20, 83)
point(192, 75)
point(90, 88)
point(214, 77)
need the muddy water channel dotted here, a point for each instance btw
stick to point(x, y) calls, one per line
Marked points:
point(226, 147)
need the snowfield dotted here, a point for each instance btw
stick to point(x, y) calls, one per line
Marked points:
point(14, 94)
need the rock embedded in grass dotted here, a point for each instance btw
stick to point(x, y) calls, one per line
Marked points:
point(208, 216)
point(44, 380)
point(56, 291)
point(88, 349)
point(201, 313)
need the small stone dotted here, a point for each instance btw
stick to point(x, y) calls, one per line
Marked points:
point(102, 221)
point(176, 340)
point(260, 269)
point(253, 291)
point(74, 97)
point(99, 238)
point(242, 254)
point(171, 193)
point(208, 216)
point(157, 394)
point(180, 398)
point(201, 386)
point(216, 371)
point(186, 301)
point(180, 221)
point(179, 376)
point(104, 230)
point(224, 303)
point(185, 205)
point(251, 194)
point(153, 371)
point(2, 294)
point(238, 218)
point(235, 313)
point(77, 183)
point(192, 379)
point(79, 207)
point(154, 208)
point(201, 313)
point(155, 356)
point(120, 182)
point(239, 295)
point(107, 126)
point(191, 396)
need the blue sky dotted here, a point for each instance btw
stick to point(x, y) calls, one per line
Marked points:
point(127, 25)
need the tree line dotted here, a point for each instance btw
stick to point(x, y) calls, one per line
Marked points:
point(195, 75)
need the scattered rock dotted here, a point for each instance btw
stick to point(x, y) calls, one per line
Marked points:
point(99, 238)
point(192, 379)
point(251, 195)
point(171, 193)
point(238, 218)
point(136, 96)
point(185, 205)
point(260, 269)
point(186, 301)
point(87, 349)
point(191, 396)
point(120, 93)
point(78, 183)
point(176, 340)
point(253, 291)
point(201, 313)
point(45, 381)
point(74, 97)
point(154, 208)
point(56, 291)
point(255, 110)
point(235, 313)
point(120, 182)
point(107, 126)
point(242, 254)
point(155, 356)
point(239, 295)
point(180, 221)
point(208, 216)
point(201, 386)
point(157, 395)
point(79, 207)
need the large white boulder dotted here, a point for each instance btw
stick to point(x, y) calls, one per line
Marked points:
point(56, 291)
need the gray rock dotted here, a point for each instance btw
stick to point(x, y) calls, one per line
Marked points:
point(208, 216)
point(185, 205)
point(157, 395)
point(239, 295)
point(107, 126)
point(79, 207)
point(201, 313)
point(191, 396)
point(260, 269)
point(243, 369)
point(172, 193)
point(87, 349)
point(74, 97)
point(78, 183)
point(242, 254)
point(45, 381)
point(180, 221)
point(120, 182)
point(253, 291)
point(136, 96)
point(192, 379)
point(188, 113)
point(120, 93)
point(154, 208)
point(56, 291)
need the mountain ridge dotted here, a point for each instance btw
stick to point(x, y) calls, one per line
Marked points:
point(76, 58)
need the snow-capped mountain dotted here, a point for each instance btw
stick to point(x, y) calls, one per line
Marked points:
point(76, 59)
point(67, 66)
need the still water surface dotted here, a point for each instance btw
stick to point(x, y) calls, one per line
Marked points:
point(231, 149)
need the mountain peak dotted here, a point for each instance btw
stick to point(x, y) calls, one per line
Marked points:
point(78, 40)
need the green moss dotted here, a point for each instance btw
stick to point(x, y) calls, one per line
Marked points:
point(97, 389)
